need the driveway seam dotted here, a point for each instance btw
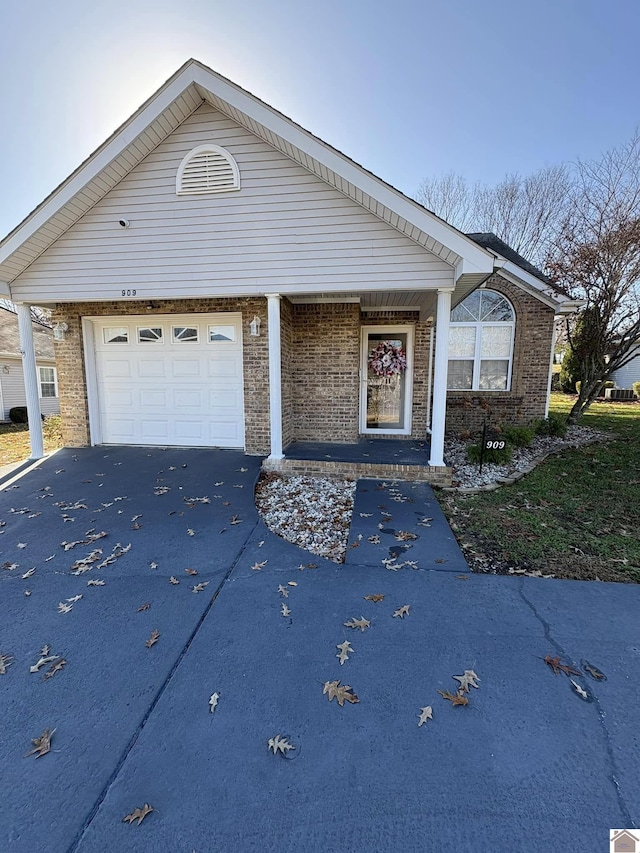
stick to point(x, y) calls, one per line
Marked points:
point(134, 738)
point(628, 820)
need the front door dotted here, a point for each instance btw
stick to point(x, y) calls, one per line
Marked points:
point(386, 371)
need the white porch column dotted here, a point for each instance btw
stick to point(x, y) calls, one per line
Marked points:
point(31, 385)
point(275, 375)
point(440, 378)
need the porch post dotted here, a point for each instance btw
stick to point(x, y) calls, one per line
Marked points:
point(30, 373)
point(440, 378)
point(275, 375)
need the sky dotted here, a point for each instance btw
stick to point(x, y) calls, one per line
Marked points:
point(411, 89)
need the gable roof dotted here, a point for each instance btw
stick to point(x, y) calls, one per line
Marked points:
point(176, 100)
point(10, 336)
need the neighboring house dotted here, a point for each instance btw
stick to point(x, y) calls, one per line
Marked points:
point(224, 277)
point(624, 377)
point(12, 392)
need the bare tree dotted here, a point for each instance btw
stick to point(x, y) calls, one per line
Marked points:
point(38, 314)
point(597, 258)
point(526, 212)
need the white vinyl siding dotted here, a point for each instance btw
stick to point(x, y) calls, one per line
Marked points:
point(625, 376)
point(13, 393)
point(285, 230)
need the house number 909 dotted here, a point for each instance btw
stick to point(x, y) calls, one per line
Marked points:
point(128, 292)
point(495, 445)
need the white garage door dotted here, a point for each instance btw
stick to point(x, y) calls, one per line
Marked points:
point(169, 380)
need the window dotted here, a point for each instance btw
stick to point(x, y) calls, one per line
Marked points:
point(481, 343)
point(48, 382)
point(148, 335)
point(115, 335)
point(185, 334)
point(222, 333)
point(207, 169)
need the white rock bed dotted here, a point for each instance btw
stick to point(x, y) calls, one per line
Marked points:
point(312, 512)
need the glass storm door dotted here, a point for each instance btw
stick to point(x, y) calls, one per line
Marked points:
point(386, 368)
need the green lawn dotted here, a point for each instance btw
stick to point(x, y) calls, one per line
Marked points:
point(575, 516)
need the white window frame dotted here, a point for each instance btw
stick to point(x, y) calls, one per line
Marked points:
point(42, 367)
point(478, 326)
point(389, 332)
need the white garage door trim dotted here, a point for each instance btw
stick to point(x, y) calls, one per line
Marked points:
point(227, 430)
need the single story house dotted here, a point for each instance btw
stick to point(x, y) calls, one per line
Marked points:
point(12, 390)
point(219, 276)
point(625, 376)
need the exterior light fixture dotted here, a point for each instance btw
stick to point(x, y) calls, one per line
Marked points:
point(255, 327)
point(59, 330)
point(6, 369)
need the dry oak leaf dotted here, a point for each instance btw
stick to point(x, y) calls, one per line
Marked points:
point(375, 597)
point(425, 714)
point(191, 571)
point(284, 592)
point(213, 701)
point(361, 623)
point(405, 536)
point(455, 698)
point(235, 520)
point(45, 658)
point(5, 662)
point(467, 679)
point(42, 744)
point(138, 814)
point(285, 610)
point(153, 639)
point(173, 580)
point(191, 532)
point(64, 608)
point(343, 654)
point(593, 671)
point(95, 583)
point(402, 611)
point(55, 667)
point(143, 607)
point(200, 586)
point(280, 745)
point(582, 693)
point(338, 691)
point(256, 567)
point(557, 667)
point(292, 583)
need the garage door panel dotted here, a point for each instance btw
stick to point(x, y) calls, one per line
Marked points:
point(167, 395)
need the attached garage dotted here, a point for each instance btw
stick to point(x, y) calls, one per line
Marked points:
point(165, 379)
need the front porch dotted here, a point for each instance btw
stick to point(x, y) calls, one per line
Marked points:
point(374, 458)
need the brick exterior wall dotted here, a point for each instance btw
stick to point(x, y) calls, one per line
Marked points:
point(526, 401)
point(324, 371)
point(320, 367)
point(71, 369)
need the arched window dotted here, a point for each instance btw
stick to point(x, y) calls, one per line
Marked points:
point(207, 169)
point(481, 343)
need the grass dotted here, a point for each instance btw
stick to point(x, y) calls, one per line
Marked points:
point(575, 516)
point(14, 439)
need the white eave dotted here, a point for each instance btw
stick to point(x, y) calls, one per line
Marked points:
point(538, 288)
point(178, 98)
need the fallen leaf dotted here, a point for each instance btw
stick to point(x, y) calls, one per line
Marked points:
point(191, 532)
point(455, 698)
point(343, 654)
point(143, 607)
point(284, 592)
point(405, 536)
point(366, 514)
point(213, 701)
point(557, 667)
point(338, 691)
point(191, 571)
point(361, 623)
point(153, 639)
point(42, 744)
point(138, 814)
point(256, 567)
point(21, 545)
point(402, 611)
point(235, 520)
point(28, 574)
point(375, 540)
point(467, 679)
point(200, 586)
point(64, 608)
point(55, 667)
point(285, 610)
point(5, 662)
point(292, 583)
point(44, 659)
point(153, 565)
point(279, 745)
point(74, 599)
point(95, 583)
point(593, 671)
point(462, 577)
point(579, 690)
point(425, 714)
point(173, 580)
point(376, 597)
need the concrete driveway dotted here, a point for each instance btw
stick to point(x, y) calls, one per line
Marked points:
point(527, 765)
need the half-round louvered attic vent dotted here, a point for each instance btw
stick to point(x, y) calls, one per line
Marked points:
point(207, 169)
